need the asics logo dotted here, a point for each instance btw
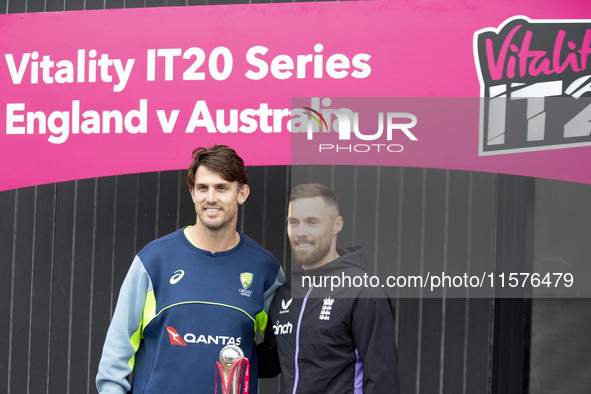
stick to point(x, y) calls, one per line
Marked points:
point(178, 275)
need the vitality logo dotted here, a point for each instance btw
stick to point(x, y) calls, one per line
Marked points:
point(535, 80)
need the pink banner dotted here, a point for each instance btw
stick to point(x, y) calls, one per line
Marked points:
point(97, 93)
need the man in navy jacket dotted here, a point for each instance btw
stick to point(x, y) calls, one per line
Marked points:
point(328, 340)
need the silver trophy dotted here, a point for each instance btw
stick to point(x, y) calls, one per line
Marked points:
point(232, 367)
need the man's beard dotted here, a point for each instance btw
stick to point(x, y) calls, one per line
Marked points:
point(311, 257)
point(216, 226)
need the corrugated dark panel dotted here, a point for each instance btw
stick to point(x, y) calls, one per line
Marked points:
point(135, 3)
point(125, 230)
point(422, 218)
point(365, 213)
point(102, 272)
point(147, 208)
point(20, 312)
point(81, 282)
point(275, 207)
point(478, 352)
point(13, 6)
point(169, 184)
point(74, 5)
point(35, 5)
point(434, 245)
point(61, 287)
point(456, 250)
point(453, 362)
point(410, 310)
point(111, 4)
point(8, 201)
point(94, 4)
point(252, 216)
point(389, 221)
point(345, 185)
point(41, 287)
point(219, 2)
point(176, 3)
point(186, 207)
point(481, 251)
point(514, 254)
point(101, 223)
point(55, 5)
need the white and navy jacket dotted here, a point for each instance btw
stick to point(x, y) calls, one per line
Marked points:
point(331, 341)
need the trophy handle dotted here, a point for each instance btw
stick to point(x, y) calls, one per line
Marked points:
point(236, 370)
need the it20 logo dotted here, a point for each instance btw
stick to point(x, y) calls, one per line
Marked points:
point(535, 84)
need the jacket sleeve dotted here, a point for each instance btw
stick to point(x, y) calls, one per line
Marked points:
point(125, 332)
point(267, 354)
point(270, 292)
point(373, 331)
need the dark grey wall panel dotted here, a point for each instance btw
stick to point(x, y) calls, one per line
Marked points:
point(35, 5)
point(102, 270)
point(59, 357)
point(81, 280)
point(410, 219)
point(42, 269)
point(455, 332)
point(20, 313)
point(147, 208)
point(513, 253)
point(125, 230)
point(55, 5)
point(13, 7)
point(169, 190)
point(8, 211)
point(73, 250)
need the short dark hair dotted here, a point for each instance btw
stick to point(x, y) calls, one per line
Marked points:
point(311, 190)
point(218, 158)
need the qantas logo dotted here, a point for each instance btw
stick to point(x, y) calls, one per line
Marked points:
point(175, 338)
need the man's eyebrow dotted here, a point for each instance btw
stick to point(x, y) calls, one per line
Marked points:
point(304, 219)
point(226, 183)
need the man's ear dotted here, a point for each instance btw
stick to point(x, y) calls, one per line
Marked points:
point(338, 225)
point(243, 194)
